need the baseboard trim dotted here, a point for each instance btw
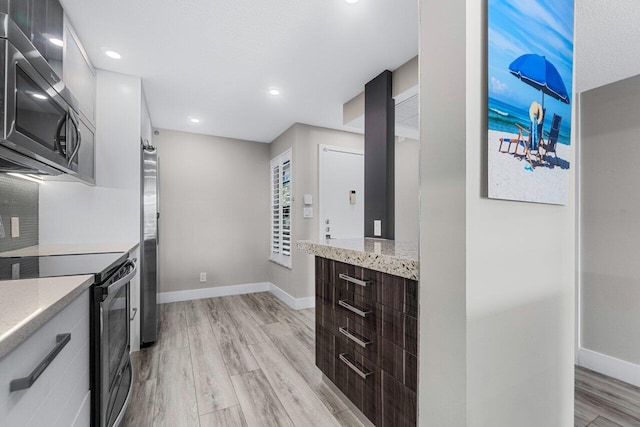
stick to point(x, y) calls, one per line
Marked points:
point(609, 366)
point(295, 303)
point(219, 291)
point(249, 288)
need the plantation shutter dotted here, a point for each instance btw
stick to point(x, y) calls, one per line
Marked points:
point(275, 209)
point(286, 208)
point(281, 198)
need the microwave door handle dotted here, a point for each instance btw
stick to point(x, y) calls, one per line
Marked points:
point(78, 142)
point(57, 146)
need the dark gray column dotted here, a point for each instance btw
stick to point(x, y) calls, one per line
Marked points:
point(379, 156)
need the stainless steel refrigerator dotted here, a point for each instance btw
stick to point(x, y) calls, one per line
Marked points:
point(149, 240)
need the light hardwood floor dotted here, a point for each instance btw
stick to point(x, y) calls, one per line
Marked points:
point(250, 361)
point(233, 361)
point(605, 402)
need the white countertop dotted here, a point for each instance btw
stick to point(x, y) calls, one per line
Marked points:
point(71, 249)
point(387, 256)
point(27, 304)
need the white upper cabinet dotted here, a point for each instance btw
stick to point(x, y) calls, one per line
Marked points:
point(78, 74)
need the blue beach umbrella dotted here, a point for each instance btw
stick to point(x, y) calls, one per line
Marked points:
point(538, 72)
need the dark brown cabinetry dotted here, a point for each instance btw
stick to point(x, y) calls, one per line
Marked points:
point(366, 339)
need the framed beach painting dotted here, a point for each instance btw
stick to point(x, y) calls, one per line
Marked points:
point(530, 73)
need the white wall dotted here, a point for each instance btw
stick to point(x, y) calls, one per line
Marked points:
point(610, 221)
point(407, 190)
point(496, 334)
point(442, 327)
point(214, 202)
point(109, 212)
point(299, 281)
point(520, 314)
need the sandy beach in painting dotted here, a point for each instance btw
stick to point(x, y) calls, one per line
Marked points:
point(510, 177)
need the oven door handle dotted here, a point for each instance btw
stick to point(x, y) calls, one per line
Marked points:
point(114, 287)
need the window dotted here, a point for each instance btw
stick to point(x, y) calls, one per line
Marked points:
point(281, 209)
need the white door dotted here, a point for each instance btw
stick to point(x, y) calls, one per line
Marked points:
point(341, 188)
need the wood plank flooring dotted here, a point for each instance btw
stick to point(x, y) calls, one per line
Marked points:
point(601, 401)
point(250, 361)
point(233, 361)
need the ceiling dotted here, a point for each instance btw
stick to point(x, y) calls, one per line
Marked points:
point(606, 42)
point(216, 60)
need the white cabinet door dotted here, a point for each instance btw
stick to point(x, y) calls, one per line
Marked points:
point(60, 391)
point(78, 74)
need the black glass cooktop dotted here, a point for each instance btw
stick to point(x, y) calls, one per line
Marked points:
point(101, 265)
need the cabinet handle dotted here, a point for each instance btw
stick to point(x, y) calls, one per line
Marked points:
point(353, 337)
point(346, 360)
point(135, 311)
point(24, 383)
point(354, 309)
point(363, 283)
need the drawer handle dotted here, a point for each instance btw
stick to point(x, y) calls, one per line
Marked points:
point(360, 340)
point(346, 360)
point(354, 309)
point(363, 283)
point(24, 383)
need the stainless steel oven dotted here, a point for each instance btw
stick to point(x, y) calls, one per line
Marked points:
point(112, 365)
point(40, 126)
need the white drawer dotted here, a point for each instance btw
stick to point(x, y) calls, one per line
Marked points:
point(66, 378)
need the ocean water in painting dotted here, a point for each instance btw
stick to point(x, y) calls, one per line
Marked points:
point(503, 118)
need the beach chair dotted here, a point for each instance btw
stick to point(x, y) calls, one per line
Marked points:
point(552, 138)
point(513, 141)
point(531, 147)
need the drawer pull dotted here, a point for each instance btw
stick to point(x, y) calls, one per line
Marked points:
point(360, 340)
point(354, 309)
point(24, 383)
point(363, 283)
point(346, 359)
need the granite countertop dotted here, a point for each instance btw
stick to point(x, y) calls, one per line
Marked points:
point(26, 305)
point(387, 256)
point(71, 249)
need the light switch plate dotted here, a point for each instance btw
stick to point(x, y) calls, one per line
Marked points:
point(377, 227)
point(308, 199)
point(203, 277)
point(308, 212)
point(15, 226)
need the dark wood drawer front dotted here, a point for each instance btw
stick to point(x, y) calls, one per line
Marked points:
point(325, 352)
point(365, 393)
point(366, 339)
point(399, 403)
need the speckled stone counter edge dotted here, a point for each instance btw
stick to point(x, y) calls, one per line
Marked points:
point(402, 267)
point(10, 342)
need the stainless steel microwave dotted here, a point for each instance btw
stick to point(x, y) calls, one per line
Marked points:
point(41, 132)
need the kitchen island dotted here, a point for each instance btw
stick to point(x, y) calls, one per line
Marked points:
point(367, 325)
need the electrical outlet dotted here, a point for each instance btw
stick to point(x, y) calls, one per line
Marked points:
point(2, 233)
point(203, 277)
point(15, 226)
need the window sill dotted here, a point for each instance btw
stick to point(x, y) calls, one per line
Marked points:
point(281, 263)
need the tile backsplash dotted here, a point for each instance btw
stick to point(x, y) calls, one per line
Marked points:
point(18, 198)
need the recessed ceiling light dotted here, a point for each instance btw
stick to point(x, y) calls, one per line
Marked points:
point(351, 1)
point(56, 41)
point(39, 96)
point(194, 120)
point(274, 91)
point(113, 54)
